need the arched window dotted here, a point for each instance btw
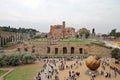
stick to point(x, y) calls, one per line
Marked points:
point(48, 49)
point(25, 49)
point(64, 50)
point(56, 50)
point(18, 49)
point(72, 50)
point(33, 50)
point(81, 50)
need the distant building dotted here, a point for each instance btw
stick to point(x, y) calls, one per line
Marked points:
point(60, 31)
point(41, 35)
point(70, 32)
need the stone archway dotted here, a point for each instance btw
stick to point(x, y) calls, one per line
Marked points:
point(18, 49)
point(72, 50)
point(64, 50)
point(48, 49)
point(25, 49)
point(56, 50)
point(81, 50)
point(33, 50)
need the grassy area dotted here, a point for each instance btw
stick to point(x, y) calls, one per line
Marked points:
point(2, 72)
point(74, 40)
point(26, 72)
point(64, 41)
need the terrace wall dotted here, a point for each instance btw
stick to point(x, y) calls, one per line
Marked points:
point(61, 49)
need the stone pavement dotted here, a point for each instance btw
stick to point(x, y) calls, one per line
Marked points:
point(112, 44)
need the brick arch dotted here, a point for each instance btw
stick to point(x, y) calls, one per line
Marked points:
point(26, 49)
point(81, 50)
point(72, 50)
point(18, 49)
point(56, 50)
point(48, 49)
point(33, 50)
point(64, 50)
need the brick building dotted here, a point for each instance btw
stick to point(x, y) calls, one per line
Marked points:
point(61, 31)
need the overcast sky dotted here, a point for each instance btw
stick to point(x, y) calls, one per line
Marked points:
point(103, 15)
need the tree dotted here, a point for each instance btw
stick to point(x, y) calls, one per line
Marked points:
point(28, 58)
point(16, 59)
point(113, 32)
point(104, 35)
point(116, 53)
point(118, 34)
point(84, 31)
point(1, 61)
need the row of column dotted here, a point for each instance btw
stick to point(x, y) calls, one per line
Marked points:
point(12, 37)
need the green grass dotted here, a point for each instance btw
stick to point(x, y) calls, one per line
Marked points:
point(78, 41)
point(2, 72)
point(24, 73)
point(64, 41)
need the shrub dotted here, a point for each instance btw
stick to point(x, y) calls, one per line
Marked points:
point(116, 53)
point(28, 58)
point(16, 59)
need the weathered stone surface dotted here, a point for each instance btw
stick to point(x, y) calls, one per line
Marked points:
point(7, 37)
point(60, 31)
point(58, 49)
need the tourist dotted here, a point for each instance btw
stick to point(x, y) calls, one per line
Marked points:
point(56, 77)
point(91, 78)
point(102, 72)
point(38, 76)
point(69, 73)
point(78, 74)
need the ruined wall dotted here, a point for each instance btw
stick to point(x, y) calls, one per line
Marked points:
point(70, 32)
point(61, 49)
point(60, 31)
point(7, 37)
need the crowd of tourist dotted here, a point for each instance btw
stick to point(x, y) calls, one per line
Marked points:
point(51, 69)
point(48, 70)
point(113, 70)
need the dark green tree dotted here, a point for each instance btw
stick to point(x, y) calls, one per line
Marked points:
point(116, 53)
point(117, 34)
point(113, 32)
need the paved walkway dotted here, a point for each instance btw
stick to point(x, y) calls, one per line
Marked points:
point(112, 44)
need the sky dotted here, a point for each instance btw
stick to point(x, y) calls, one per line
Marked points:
point(103, 15)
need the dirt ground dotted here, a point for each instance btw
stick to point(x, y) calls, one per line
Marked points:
point(83, 76)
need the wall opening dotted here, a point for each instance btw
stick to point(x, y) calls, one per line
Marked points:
point(48, 49)
point(18, 49)
point(25, 49)
point(64, 50)
point(56, 50)
point(72, 50)
point(33, 50)
point(81, 50)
